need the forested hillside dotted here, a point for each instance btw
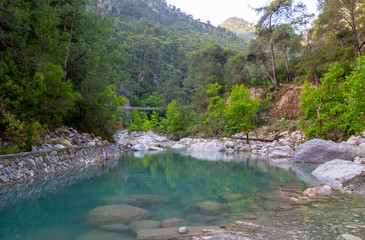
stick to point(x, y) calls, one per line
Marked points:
point(74, 63)
point(157, 40)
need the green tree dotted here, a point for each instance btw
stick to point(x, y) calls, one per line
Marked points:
point(136, 122)
point(343, 18)
point(242, 110)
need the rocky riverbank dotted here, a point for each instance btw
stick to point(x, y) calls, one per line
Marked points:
point(339, 161)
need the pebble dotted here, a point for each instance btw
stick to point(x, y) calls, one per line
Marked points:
point(348, 236)
point(182, 230)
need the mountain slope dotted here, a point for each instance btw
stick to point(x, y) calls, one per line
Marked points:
point(240, 27)
point(156, 41)
point(166, 16)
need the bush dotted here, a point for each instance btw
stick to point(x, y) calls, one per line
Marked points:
point(19, 135)
point(335, 109)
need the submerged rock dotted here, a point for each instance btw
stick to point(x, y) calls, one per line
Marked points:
point(113, 214)
point(172, 233)
point(101, 235)
point(357, 183)
point(144, 224)
point(115, 228)
point(336, 171)
point(321, 151)
point(137, 200)
point(173, 222)
point(210, 208)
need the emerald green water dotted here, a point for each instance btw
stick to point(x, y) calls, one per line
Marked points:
point(239, 182)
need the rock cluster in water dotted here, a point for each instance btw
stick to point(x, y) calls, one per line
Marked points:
point(132, 215)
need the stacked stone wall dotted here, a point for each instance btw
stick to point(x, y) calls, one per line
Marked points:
point(22, 166)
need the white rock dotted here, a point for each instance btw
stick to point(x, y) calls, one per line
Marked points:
point(280, 152)
point(177, 146)
point(140, 147)
point(353, 140)
point(59, 146)
point(207, 146)
point(359, 160)
point(182, 230)
point(245, 148)
point(161, 139)
point(334, 172)
point(91, 144)
point(186, 140)
point(324, 190)
point(347, 236)
point(310, 192)
point(229, 144)
point(156, 149)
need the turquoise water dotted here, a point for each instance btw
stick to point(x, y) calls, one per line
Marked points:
point(56, 207)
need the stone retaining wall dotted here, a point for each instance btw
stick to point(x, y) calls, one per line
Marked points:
point(21, 166)
point(12, 194)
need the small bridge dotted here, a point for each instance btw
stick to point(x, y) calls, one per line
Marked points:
point(127, 109)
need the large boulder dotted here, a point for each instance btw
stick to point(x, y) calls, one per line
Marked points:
point(280, 152)
point(321, 151)
point(113, 214)
point(334, 172)
point(208, 146)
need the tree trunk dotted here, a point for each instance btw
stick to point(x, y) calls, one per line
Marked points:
point(274, 80)
point(266, 68)
point(290, 76)
point(314, 67)
point(355, 41)
point(65, 66)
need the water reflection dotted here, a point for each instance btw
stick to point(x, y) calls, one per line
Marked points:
point(167, 185)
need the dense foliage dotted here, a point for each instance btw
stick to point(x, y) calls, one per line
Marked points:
point(335, 109)
point(58, 66)
point(75, 62)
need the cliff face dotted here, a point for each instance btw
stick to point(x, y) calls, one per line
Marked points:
point(240, 27)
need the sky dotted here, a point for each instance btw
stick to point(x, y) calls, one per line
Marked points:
point(217, 11)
